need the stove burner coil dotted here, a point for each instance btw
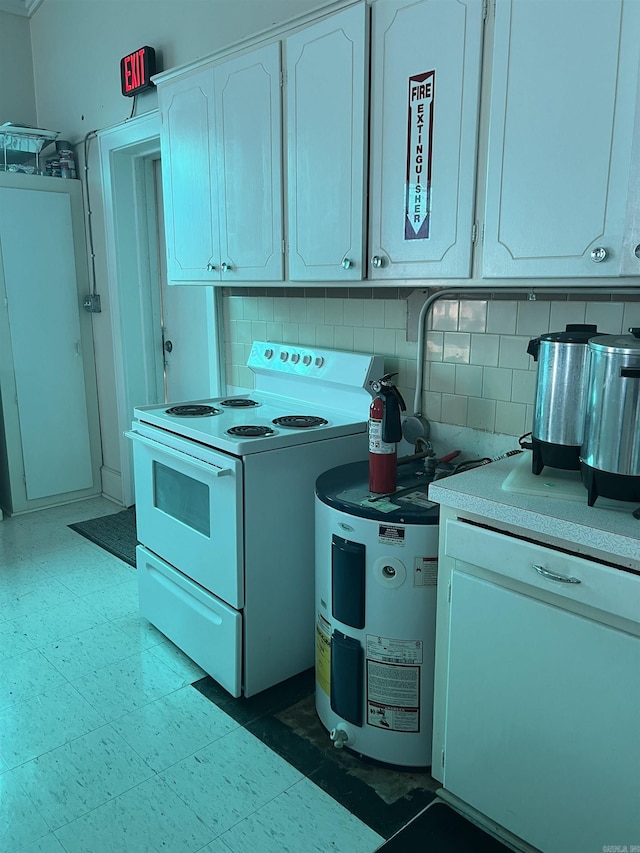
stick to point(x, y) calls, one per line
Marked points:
point(250, 431)
point(238, 403)
point(192, 410)
point(299, 421)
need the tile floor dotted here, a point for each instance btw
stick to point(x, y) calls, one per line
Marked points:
point(104, 746)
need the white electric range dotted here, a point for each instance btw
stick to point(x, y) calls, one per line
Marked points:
point(225, 509)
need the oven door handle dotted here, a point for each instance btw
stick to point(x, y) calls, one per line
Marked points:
point(209, 468)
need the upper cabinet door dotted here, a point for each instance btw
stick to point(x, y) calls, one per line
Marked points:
point(248, 142)
point(426, 59)
point(189, 181)
point(563, 97)
point(326, 118)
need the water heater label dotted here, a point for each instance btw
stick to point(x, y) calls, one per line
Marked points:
point(393, 697)
point(323, 654)
point(390, 650)
point(391, 535)
point(425, 571)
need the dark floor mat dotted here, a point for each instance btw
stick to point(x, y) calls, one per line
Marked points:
point(441, 829)
point(284, 718)
point(115, 533)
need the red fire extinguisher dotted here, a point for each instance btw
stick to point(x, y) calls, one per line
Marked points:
point(385, 430)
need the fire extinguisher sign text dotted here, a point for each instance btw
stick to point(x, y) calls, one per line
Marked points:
point(417, 220)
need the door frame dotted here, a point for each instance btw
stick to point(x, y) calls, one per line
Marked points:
point(126, 154)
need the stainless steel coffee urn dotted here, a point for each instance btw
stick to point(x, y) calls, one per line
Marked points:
point(610, 455)
point(561, 390)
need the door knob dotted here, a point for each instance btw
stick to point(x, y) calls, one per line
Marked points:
point(347, 263)
point(168, 346)
point(377, 262)
point(225, 267)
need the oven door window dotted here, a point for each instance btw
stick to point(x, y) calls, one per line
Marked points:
point(183, 498)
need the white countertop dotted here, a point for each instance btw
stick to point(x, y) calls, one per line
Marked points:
point(553, 504)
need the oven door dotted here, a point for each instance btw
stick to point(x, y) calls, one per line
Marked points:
point(189, 509)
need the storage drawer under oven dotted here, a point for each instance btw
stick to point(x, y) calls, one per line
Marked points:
point(202, 626)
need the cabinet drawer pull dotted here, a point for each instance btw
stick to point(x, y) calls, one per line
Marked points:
point(553, 576)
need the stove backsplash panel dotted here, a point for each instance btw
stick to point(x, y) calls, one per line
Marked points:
point(477, 372)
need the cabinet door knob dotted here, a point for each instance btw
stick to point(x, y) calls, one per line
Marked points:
point(211, 267)
point(598, 254)
point(347, 263)
point(553, 576)
point(636, 251)
point(377, 262)
point(225, 267)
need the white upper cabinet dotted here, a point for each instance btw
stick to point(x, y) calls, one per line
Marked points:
point(562, 110)
point(222, 171)
point(326, 85)
point(248, 142)
point(425, 68)
point(189, 184)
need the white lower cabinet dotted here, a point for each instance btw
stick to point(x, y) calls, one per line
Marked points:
point(49, 432)
point(537, 708)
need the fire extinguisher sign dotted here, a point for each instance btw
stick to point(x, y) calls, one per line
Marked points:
point(419, 147)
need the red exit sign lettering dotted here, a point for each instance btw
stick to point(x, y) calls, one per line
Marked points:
point(136, 69)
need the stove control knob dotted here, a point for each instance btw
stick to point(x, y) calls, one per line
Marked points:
point(295, 358)
point(319, 361)
point(306, 360)
point(284, 355)
point(268, 353)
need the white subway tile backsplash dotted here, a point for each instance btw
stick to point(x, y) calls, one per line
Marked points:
point(564, 313)
point(384, 340)
point(468, 381)
point(434, 348)
point(501, 317)
point(607, 316)
point(496, 383)
point(333, 311)
point(354, 312)
point(441, 377)
point(444, 315)
point(344, 338)
point(513, 352)
point(275, 330)
point(432, 405)
point(457, 347)
point(481, 414)
point(485, 349)
point(326, 336)
point(533, 316)
point(258, 330)
point(373, 315)
point(454, 410)
point(472, 315)
point(244, 333)
point(363, 340)
point(511, 418)
point(523, 386)
point(395, 313)
point(477, 372)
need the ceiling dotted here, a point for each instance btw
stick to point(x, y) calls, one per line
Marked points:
point(20, 7)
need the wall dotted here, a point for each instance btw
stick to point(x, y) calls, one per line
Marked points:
point(477, 373)
point(17, 95)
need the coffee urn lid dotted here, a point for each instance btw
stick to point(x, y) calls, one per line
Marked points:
point(574, 333)
point(625, 344)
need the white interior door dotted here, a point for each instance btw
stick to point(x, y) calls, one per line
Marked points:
point(43, 308)
point(187, 318)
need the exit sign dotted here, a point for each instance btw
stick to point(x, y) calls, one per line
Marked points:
point(136, 70)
